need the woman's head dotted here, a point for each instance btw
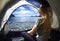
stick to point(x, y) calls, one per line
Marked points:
point(45, 10)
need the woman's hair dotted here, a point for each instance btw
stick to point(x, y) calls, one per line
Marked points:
point(47, 11)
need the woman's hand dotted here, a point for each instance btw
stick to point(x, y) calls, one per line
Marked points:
point(33, 30)
point(30, 32)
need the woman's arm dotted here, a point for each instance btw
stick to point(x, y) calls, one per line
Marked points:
point(33, 30)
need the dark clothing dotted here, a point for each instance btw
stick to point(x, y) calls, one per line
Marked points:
point(27, 37)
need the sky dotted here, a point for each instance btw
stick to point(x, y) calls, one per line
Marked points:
point(26, 10)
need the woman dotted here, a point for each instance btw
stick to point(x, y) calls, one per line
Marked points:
point(43, 29)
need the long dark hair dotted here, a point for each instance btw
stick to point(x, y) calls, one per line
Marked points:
point(47, 24)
